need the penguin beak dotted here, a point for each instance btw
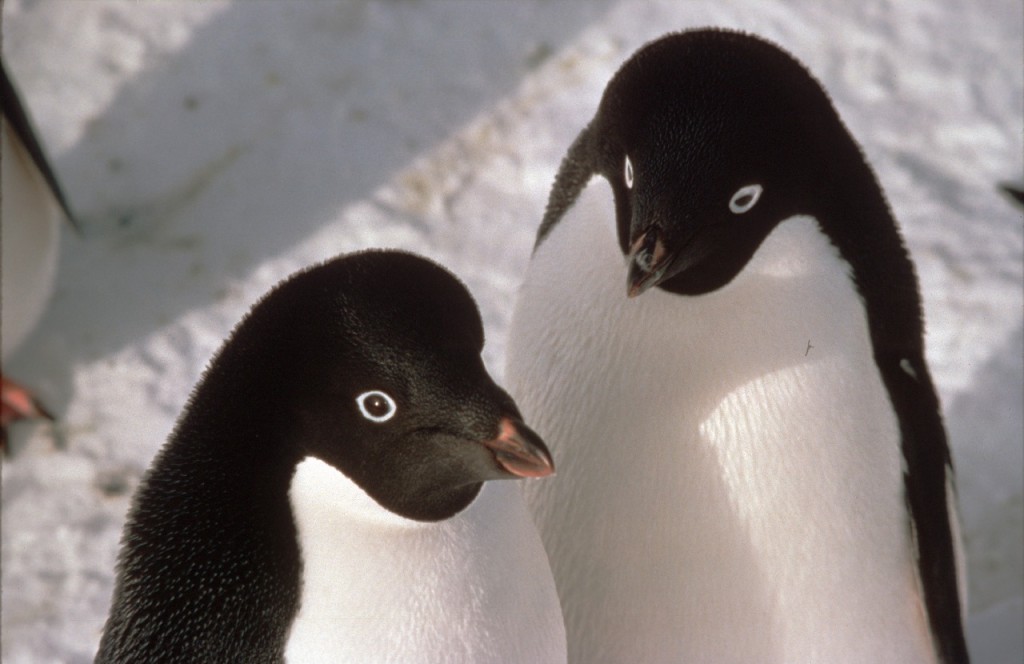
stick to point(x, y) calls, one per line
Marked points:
point(648, 262)
point(520, 451)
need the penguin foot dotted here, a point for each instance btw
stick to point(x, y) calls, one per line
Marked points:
point(17, 403)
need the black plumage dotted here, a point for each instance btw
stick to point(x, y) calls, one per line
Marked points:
point(210, 564)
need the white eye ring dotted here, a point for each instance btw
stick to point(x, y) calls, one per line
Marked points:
point(745, 198)
point(376, 406)
point(629, 173)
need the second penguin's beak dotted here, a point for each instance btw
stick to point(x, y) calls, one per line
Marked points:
point(648, 262)
point(520, 451)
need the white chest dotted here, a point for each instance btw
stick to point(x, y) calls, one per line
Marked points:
point(730, 480)
point(381, 588)
point(31, 221)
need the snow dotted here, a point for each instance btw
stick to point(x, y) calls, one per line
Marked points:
point(212, 148)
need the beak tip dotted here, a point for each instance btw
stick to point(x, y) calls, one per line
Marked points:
point(520, 452)
point(639, 282)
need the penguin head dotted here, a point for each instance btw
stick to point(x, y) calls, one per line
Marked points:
point(374, 359)
point(709, 139)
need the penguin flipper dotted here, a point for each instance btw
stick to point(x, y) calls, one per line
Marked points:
point(17, 403)
point(929, 487)
point(573, 175)
point(15, 114)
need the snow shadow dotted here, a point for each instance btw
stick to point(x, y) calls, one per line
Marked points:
point(270, 121)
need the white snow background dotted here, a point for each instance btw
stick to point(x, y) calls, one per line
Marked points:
point(213, 148)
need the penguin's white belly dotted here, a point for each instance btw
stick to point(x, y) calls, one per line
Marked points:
point(730, 484)
point(29, 241)
point(381, 588)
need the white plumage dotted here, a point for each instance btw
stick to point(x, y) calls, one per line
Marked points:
point(31, 218)
point(730, 484)
point(475, 588)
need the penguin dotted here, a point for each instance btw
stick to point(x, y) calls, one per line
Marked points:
point(32, 209)
point(325, 496)
point(719, 305)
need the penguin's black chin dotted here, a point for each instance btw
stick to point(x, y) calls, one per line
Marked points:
point(515, 452)
point(697, 261)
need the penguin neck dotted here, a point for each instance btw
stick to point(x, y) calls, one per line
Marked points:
point(233, 430)
point(238, 474)
point(238, 449)
point(211, 516)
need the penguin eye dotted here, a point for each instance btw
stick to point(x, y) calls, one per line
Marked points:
point(745, 198)
point(376, 406)
point(629, 173)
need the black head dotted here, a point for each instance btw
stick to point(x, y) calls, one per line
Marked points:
point(709, 139)
point(371, 363)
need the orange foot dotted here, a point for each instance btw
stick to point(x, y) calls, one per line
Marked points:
point(17, 403)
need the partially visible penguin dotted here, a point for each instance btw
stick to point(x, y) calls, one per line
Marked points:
point(753, 465)
point(32, 209)
point(325, 498)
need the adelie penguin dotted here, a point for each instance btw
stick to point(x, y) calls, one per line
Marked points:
point(720, 338)
point(326, 494)
point(33, 208)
